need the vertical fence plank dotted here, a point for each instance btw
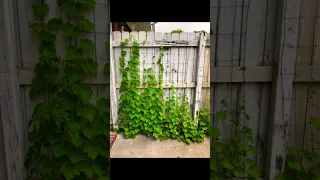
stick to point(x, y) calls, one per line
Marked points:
point(174, 62)
point(167, 59)
point(10, 115)
point(190, 68)
point(143, 53)
point(201, 57)
point(182, 67)
point(113, 93)
point(283, 83)
point(316, 62)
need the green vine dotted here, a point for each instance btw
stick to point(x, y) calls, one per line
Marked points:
point(68, 136)
point(177, 31)
point(144, 111)
point(231, 159)
point(304, 164)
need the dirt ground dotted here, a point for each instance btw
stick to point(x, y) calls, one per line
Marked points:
point(144, 147)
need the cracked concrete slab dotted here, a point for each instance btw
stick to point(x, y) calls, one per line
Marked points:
point(144, 147)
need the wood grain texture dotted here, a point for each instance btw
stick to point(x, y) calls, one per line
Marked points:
point(200, 73)
point(12, 142)
point(283, 87)
point(113, 91)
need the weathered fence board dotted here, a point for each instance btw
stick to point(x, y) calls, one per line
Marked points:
point(241, 65)
point(283, 83)
point(247, 41)
point(12, 141)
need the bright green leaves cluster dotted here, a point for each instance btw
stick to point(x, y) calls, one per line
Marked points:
point(69, 136)
point(233, 158)
point(144, 111)
point(304, 164)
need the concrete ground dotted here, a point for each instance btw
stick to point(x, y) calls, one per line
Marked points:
point(144, 147)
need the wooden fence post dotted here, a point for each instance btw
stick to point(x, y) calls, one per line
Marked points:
point(201, 56)
point(12, 141)
point(113, 90)
point(282, 86)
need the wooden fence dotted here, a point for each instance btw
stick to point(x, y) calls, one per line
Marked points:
point(265, 55)
point(18, 56)
point(186, 64)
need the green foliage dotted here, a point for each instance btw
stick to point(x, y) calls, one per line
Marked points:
point(177, 31)
point(68, 136)
point(144, 111)
point(200, 31)
point(304, 164)
point(231, 158)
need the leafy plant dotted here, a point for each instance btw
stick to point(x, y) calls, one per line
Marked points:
point(232, 158)
point(310, 168)
point(68, 135)
point(144, 111)
point(177, 31)
point(200, 31)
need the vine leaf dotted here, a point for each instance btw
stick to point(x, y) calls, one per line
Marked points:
point(83, 91)
point(70, 171)
point(86, 169)
point(284, 176)
point(38, 85)
point(74, 134)
point(215, 132)
point(87, 45)
point(93, 150)
point(55, 24)
point(241, 108)
point(90, 132)
point(40, 9)
point(88, 112)
point(221, 115)
point(90, 3)
point(226, 164)
point(47, 36)
point(315, 122)
point(71, 8)
point(90, 66)
point(103, 178)
point(60, 149)
point(103, 104)
point(36, 27)
point(294, 165)
point(76, 156)
point(73, 52)
point(74, 74)
point(253, 172)
point(69, 30)
point(107, 44)
point(85, 24)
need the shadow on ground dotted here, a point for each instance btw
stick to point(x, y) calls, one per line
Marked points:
point(144, 147)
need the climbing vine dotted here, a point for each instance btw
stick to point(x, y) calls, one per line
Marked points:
point(231, 159)
point(304, 164)
point(144, 110)
point(68, 136)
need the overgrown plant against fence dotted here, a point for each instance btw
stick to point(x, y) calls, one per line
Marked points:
point(144, 107)
point(69, 136)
